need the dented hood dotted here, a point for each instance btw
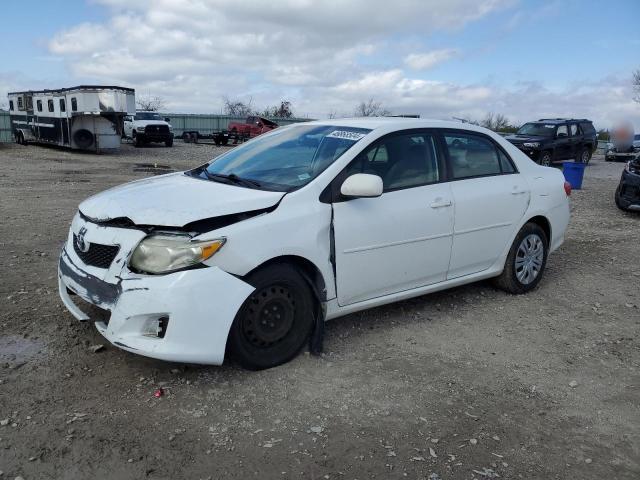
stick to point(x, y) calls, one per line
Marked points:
point(175, 200)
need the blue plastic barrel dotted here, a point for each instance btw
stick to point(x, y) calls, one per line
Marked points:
point(574, 173)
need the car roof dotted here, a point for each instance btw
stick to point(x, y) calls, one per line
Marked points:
point(374, 123)
point(560, 120)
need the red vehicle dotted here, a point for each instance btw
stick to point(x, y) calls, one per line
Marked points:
point(252, 127)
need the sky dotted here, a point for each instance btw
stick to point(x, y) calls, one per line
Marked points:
point(526, 59)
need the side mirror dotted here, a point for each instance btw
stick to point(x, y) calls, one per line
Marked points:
point(362, 185)
point(167, 119)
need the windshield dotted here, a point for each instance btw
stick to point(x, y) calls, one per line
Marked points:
point(283, 160)
point(537, 129)
point(147, 116)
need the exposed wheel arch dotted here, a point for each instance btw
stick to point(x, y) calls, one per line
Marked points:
point(544, 223)
point(307, 268)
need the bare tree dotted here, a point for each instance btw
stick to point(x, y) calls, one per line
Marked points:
point(237, 107)
point(150, 103)
point(279, 111)
point(370, 108)
point(636, 85)
point(495, 121)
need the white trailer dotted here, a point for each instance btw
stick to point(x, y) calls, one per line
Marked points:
point(87, 117)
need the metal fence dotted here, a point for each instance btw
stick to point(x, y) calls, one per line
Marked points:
point(203, 123)
point(207, 124)
point(5, 128)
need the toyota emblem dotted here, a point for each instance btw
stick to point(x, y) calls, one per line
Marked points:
point(82, 245)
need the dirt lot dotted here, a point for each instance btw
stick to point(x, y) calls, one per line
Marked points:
point(470, 383)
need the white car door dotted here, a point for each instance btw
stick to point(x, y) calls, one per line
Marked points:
point(490, 198)
point(402, 239)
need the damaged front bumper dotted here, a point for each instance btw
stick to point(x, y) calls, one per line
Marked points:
point(183, 316)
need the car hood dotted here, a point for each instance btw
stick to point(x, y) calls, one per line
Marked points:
point(524, 138)
point(175, 200)
point(144, 123)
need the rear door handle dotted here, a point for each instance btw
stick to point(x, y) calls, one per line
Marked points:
point(518, 191)
point(440, 202)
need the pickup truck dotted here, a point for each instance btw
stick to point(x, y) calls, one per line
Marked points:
point(146, 127)
point(252, 127)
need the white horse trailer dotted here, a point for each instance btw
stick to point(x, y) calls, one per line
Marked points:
point(87, 117)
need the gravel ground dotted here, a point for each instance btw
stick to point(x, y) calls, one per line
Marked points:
point(468, 383)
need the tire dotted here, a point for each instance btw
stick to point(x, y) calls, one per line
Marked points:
point(531, 240)
point(169, 143)
point(234, 133)
point(617, 199)
point(583, 156)
point(20, 139)
point(545, 158)
point(83, 138)
point(275, 322)
point(138, 141)
point(225, 141)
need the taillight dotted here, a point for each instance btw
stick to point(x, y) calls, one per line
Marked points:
point(567, 188)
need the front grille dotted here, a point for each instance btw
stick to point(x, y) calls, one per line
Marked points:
point(98, 255)
point(156, 129)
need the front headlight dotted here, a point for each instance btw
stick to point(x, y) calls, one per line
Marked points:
point(531, 144)
point(167, 253)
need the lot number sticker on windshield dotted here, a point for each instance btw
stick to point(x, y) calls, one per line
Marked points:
point(346, 135)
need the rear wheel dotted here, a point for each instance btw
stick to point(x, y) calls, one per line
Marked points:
point(584, 155)
point(545, 159)
point(526, 260)
point(275, 322)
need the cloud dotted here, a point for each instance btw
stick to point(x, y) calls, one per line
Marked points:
point(323, 55)
point(424, 61)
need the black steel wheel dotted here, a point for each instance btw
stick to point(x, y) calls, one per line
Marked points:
point(275, 322)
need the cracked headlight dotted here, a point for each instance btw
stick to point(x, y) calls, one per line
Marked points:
point(531, 144)
point(168, 253)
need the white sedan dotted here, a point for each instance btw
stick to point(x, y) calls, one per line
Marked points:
point(249, 254)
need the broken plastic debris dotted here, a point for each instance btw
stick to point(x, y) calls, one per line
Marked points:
point(158, 393)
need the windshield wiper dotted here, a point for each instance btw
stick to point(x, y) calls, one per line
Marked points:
point(232, 178)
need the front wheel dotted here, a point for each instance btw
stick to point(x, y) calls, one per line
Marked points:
point(526, 260)
point(617, 199)
point(275, 322)
point(168, 142)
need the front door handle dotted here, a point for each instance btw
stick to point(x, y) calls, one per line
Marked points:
point(440, 202)
point(518, 191)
